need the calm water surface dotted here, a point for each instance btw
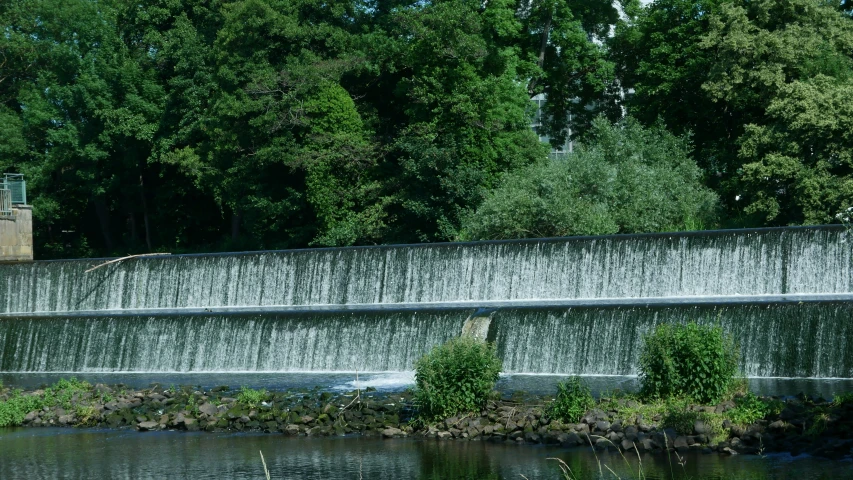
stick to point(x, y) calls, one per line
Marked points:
point(86, 453)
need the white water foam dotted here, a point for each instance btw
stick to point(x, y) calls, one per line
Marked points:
point(384, 382)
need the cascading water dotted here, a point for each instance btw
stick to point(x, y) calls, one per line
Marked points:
point(776, 340)
point(770, 261)
point(224, 343)
point(171, 313)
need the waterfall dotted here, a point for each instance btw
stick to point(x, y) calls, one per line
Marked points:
point(224, 343)
point(776, 340)
point(761, 262)
point(560, 306)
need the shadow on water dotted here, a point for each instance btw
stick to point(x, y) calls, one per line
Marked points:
point(77, 453)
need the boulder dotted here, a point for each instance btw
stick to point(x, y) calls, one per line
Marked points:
point(191, 424)
point(291, 429)
point(777, 425)
point(701, 428)
point(602, 425)
point(392, 433)
point(208, 409)
point(146, 426)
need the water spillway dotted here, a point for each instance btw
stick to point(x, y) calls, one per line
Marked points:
point(553, 306)
point(721, 263)
point(388, 341)
point(776, 340)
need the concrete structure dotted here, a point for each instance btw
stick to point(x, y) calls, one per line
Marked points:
point(16, 235)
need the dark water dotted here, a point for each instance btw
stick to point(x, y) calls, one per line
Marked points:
point(397, 381)
point(78, 453)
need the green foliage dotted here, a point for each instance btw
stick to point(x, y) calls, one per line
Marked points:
point(456, 377)
point(761, 84)
point(574, 399)
point(625, 179)
point(18, 405)
point(252, 398)
point(748, 410)
point(630, 408)
point(818, 425)
point(13, 410)
point(86, 415)
point(691, 360)
point(842, 399)
point(679, 416)
point(62, 393)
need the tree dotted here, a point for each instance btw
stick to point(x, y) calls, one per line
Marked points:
point(88, 112)
point(789, 60)
point(562, 43)
point(799, 166)
point(624, 179)
point(460, 109)
point(715, 67)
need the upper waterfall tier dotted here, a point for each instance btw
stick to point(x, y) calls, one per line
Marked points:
point(719, 263)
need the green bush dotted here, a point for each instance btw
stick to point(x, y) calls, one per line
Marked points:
point(679, 416)
point(63, 391)
point(456, 377)
point(625, 178)
point(250, 397)
point(574, 399)
point(16, 407)
point(748, 409)
point(842, 399)
point(689, 360)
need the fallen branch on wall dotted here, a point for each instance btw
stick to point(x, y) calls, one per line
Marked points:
point(115, 260)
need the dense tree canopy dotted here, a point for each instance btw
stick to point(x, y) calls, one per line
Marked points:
point(190, 125)
point(745, 77)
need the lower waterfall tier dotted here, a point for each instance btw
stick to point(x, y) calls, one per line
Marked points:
point(776, 340)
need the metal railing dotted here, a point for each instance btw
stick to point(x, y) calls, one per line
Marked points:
point(5, 202)
point(17, 187)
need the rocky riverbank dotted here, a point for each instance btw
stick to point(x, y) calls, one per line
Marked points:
point(796, 425)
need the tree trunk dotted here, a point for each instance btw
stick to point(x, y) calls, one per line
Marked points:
point(235, 225)
point(104, 221)
point(145, 213)
point(131, 220)
point(543, 46)
point(546, 32)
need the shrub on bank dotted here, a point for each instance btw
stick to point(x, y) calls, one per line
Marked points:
point(252, 398)
point(696, 361)
point(574, 399)
point(17, 405)
point(456, 377)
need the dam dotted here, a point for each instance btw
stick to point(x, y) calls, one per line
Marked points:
point(562, 306)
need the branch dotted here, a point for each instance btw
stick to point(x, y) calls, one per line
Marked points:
point(124, 258)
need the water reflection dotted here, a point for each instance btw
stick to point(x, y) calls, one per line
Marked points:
point(72, 453)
